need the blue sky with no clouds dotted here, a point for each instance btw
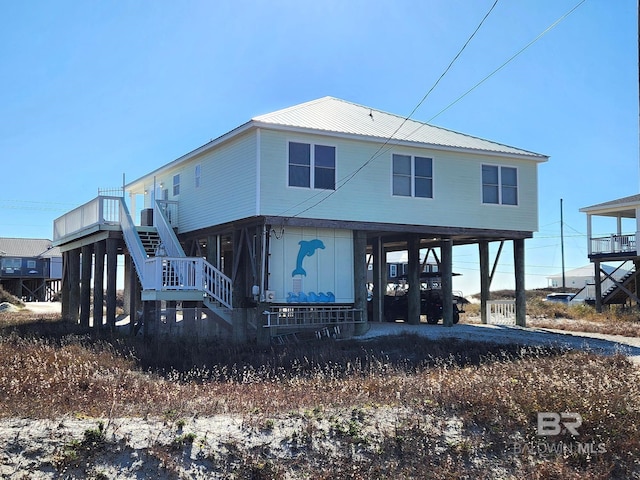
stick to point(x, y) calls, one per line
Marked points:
point(92, 90)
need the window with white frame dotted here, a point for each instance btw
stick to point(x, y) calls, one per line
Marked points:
point(176, 185)
point(499, 185)
point(412, 176)
point(312, 165)
point(198, 175)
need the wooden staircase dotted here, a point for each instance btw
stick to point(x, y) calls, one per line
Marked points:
point(615, 295)
point(150, 240)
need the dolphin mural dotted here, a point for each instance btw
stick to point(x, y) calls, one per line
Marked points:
point(307, 249)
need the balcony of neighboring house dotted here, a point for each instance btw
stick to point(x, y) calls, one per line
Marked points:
point(618, 225)
point(613, 229)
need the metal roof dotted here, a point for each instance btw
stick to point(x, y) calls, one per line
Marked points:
point(630, 200)
point(333, 115)
point(28, 247)
point(338, 117)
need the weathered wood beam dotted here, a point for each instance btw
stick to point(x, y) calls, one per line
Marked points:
point(519, 268)
point(446, 252)
point(485, 279)
point(85, 285)
point(98, 284)
point(112, 264)
point(413, 279)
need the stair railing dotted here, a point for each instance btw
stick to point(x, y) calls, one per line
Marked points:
point(165, 231)
point(133, 242)
point(217, 285)
point(189, 273)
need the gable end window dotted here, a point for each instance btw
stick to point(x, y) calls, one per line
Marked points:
point(412, 176)
point(176, 185)
point(499, 185)
point(312, 165)
point(198, 175)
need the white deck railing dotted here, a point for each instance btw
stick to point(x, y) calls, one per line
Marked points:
point(172, 272)
point(99, 211)
point(188, 273)
point(501, 312)
point(613, 244)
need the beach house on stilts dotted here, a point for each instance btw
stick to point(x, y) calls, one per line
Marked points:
point(270, 227)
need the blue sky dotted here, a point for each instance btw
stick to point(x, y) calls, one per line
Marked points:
point(94, 89)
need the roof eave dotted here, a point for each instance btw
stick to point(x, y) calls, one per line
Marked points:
point(139, 182)
point(369, 138)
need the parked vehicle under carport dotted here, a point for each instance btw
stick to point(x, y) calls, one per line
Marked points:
point(396, 302)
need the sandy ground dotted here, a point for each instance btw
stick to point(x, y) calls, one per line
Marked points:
point(607, 344)
point(140, 448)
point(504, 334)
point(44, 308)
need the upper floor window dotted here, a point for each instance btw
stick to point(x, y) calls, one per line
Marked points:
point(198, 175)
point(412, 176)
point(11, 263)
point(176, 185)
point(499, 185)
point(312, 165)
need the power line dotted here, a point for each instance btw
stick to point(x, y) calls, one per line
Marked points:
point(381, 150)
point(341, 183)
point(547, 30)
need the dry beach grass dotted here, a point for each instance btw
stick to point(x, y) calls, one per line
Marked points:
point(78, 406)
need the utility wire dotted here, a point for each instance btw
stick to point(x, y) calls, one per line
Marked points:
point(380, 151)
point(547, 30)
point(345, 180)
point(513, 57)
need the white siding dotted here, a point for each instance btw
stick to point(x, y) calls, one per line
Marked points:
point(227, 188)
point(457, 187)
point(328, 270)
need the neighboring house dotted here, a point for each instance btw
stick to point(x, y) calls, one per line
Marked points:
point(30, 268)
point(397, 271)
point(619, 247)
point(269, 226)
point(579, 277)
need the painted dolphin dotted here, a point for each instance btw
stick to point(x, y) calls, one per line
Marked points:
point(307, 249)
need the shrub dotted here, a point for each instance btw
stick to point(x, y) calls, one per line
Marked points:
point(8, 297)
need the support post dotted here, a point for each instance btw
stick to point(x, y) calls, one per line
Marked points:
point(598, 281)
point(263, 335)
point(65, 287)
point(98, 284)
point(74, 285)
point(360, 279)
point(189, 319)
point(150, 313)
point(636, 264)
point(112, 264)
point(239, 279)
point(85, 285)
point(379, 279)
point(413, 278)
point(521, 301)
point(446, 262)
point(485, 284)
point(133, 287)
